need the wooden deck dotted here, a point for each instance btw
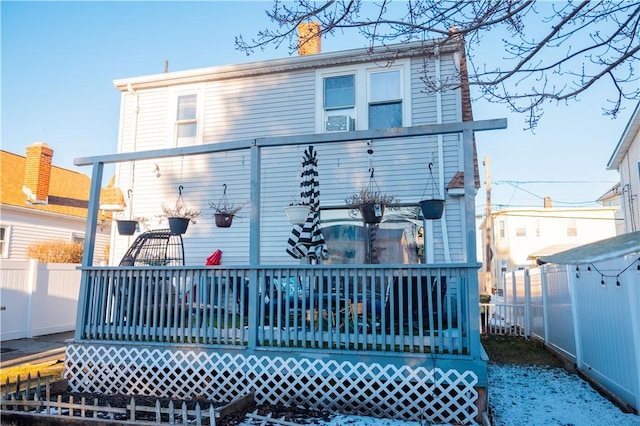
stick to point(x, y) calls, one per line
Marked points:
point(327, 337)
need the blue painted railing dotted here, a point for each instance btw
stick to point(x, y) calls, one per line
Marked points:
point(380, 308)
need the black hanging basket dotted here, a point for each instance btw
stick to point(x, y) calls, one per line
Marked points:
point(178, 225)
point(223, 210)
point(432, 209)
point(127, 227)
point(223, 220)
point(372, 213)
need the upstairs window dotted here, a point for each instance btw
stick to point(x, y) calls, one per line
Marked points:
point(363, 98)
point(339, 103)
point(185, 116)
point(385, 100)
point(186, 120)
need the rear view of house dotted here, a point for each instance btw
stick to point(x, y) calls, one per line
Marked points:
point(391, 308)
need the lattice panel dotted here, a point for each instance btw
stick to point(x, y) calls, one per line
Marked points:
point(355, 388)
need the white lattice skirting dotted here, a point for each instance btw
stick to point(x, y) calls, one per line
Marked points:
point(355, 388)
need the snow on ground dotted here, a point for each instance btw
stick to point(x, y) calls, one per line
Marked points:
point(549, 396)
point(532, 396)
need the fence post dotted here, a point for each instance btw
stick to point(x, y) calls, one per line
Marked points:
point(543, 289)
point(527, 303)
point(571, 280)
point(32, 285)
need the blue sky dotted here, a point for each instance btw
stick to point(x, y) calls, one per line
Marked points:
point(59, 60)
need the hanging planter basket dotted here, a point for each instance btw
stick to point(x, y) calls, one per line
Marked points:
point(179, 215)
point(126, 227)
point(370, 201)
point(432, 209)
point(297, 214)
point(178, 225)
point(371, 213)
point(223, 220)
point(224, 210)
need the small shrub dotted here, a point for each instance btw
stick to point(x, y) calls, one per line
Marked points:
point(55, 252)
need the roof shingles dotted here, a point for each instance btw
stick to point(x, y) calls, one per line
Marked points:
point(68, 190)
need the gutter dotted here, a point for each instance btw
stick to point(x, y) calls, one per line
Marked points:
point(384, 54)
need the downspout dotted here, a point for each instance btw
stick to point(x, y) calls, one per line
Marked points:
point(130, 192)
point(429, 232)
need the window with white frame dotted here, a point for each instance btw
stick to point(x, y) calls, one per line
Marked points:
point(77, 238)
point(385, 100)
point(364, 98)
point(186, 120)
point(186, 116)
point(4, 243)
point(339, 99)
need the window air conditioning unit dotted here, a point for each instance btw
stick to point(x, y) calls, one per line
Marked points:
point(340, 123)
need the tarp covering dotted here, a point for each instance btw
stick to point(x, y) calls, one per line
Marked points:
point(597, 251)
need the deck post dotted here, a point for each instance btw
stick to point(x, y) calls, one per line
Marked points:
point(254, 245)
point(89, 243)
point(473, 291)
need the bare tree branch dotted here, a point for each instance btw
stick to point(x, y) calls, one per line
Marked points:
point(551, 51)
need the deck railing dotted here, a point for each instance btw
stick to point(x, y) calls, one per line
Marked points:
point(383, 308)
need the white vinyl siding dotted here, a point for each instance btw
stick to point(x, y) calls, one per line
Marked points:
point(28, 226)
point(270, 105)
point(273, 105)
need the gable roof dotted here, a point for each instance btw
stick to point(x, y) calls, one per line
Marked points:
point(597, 251)
point(68, 190)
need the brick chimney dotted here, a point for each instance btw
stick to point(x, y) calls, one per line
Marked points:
point(547, 203)
point(309, 38)
point(37, 173)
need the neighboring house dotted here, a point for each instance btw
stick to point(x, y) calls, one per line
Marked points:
point(397, 338)
point(521, 235)
point(613, 198)
point(626, 160)
point(40, 202)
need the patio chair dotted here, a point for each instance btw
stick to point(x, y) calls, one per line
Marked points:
point(160, 247)
point(152, 248)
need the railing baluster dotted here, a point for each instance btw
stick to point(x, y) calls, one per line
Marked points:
point(413, 308)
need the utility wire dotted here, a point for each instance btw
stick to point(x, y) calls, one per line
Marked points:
point(517, 186)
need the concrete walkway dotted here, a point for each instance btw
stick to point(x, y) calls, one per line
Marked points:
point(35, 350)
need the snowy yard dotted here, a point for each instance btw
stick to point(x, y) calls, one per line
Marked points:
point(548, 396)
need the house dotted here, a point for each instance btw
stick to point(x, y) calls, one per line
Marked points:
point(626, 160)
point(522, 235)
point(347, 332)
point(613, 198)
point(40, 200)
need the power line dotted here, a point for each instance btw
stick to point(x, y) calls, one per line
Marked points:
point(516, 186)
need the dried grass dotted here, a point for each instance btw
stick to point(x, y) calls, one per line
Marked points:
point(56, 251)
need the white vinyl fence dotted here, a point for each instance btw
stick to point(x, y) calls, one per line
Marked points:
point(37, 298)
point(589, 313)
